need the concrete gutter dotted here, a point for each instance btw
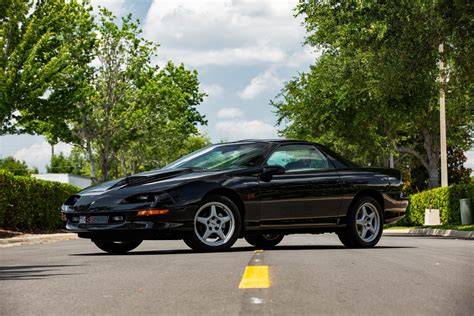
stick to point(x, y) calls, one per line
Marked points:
point(35, 239)
point(430, 232)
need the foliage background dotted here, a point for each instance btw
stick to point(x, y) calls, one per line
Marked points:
point(374, 91)
point(27, 203)
point(445, 199)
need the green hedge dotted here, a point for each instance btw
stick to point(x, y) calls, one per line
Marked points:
point(444, 199)
point(27, 203)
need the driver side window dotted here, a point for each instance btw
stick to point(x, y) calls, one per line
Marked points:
point(298, 158)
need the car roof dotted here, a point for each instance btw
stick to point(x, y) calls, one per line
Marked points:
point(256, 140)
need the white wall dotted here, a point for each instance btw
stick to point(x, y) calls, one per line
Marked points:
point(79, 181)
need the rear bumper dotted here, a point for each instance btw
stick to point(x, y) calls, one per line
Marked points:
point(395, 207)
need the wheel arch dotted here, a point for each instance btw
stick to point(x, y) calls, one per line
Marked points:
point(369, 193)
point(230, 194)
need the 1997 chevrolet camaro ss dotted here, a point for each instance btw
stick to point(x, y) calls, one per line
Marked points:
point(260, 190)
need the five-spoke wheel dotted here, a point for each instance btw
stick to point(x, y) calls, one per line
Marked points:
point(364, 224)
point(214, 223)
point(217, 225)
point(367, 222)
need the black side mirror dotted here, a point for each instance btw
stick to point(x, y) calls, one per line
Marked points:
point(270, 171)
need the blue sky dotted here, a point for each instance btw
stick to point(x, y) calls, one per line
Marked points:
point(243, 50)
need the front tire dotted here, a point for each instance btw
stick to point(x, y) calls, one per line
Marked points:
point(364, 224)
point(117, 247)
point(217, 225)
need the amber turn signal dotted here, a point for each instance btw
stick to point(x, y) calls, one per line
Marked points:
point(152, 212)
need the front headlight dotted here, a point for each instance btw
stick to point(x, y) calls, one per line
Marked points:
point(140, 198)
point(67, 208)
point(152, 198)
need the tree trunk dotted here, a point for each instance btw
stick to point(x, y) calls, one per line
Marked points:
point(84, 133)
point(432, 148)
point(429, 159)
point(90, 159)
point(104, 166)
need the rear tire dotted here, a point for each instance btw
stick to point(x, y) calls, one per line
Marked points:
point(216, 226)
point(364, 224)
point(117, 247)
point(264, 241)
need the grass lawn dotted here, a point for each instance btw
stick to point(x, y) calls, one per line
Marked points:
point(450, 227)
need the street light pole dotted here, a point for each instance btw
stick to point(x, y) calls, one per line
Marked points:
point(442, 119)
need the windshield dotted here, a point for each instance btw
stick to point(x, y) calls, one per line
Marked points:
point(223, 157)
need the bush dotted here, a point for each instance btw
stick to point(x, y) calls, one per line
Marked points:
point(27, 203)
point(444, 199)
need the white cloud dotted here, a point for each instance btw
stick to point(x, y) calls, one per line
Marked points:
point(243, 129)
point(255, 54)
point(229, 113)
point(39, 154)
point(261, 83)
point(224, 32)
point(213, 90)
point(116, 6)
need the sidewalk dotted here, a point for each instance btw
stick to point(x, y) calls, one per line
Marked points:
point(29, 239)
point(429, 232)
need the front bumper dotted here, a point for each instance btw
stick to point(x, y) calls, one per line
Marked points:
point(143, 227)
point(135, 225)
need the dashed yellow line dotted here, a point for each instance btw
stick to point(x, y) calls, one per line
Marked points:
point(255, 277)
point(258, 250)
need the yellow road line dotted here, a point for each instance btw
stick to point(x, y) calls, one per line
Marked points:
point(255, 277)
point(258, 250)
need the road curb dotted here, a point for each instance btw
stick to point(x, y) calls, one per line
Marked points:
point(36, 239)
point(430, 232)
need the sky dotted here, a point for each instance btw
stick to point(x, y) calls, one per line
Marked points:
point(244, 52)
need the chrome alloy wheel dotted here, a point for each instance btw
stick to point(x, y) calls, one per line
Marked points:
point(214, 224)
point(367, 222)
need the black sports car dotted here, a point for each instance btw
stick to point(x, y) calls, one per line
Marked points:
point(260, 190)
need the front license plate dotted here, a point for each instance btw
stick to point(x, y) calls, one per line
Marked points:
point(93, 219)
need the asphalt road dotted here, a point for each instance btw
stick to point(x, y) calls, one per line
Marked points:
point(307, 274)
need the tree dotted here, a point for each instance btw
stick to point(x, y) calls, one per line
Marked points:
point(157, 154)
point(44, 44)
point(78, 160)
point(92, 83)
point(322, 105)
point(16, 167)
point(60, 164)
point(132, 113)
point(457, 172)
point(74, 163)
point(375, 89)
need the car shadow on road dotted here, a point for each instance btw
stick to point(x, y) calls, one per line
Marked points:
point(32, 272)
point(238, 249)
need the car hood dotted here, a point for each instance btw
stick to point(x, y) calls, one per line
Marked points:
point(154, 180)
